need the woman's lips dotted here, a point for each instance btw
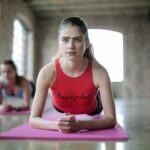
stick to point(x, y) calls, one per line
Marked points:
point(71, 53)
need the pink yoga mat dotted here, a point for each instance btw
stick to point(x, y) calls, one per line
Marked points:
point(26, 132)
point(46, 108)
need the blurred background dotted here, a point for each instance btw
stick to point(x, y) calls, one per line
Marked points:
point(119, 31)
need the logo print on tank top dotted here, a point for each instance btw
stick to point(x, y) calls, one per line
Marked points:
point(73, 97)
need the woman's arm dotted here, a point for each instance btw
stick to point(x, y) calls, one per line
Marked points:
point(45, 79)
point(102, 81)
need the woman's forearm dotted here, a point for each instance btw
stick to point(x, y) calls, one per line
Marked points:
point(25, 105)
point(21, 108)
point(37, 122)
point(104, 123)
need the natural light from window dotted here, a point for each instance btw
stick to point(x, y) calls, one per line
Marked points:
point(20, 43)
point(108, 51)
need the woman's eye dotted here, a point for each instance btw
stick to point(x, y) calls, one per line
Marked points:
point(78, 40)
point(65, 40)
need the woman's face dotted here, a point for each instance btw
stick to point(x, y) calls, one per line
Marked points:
point(72, 42)
point(8, 73)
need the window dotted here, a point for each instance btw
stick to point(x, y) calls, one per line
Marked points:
point(20, 44)
point(108, 51)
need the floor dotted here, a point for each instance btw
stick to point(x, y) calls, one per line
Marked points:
point(132, 114)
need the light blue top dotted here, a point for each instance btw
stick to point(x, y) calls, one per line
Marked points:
point(6, 94)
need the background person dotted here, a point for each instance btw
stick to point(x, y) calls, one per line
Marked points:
point(11, 84)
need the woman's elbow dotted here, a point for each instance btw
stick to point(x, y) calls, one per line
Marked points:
point(113, 123)
point(31, 122)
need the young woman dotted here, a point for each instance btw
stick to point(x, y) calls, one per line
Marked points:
point(74, 78)
point(11, 84)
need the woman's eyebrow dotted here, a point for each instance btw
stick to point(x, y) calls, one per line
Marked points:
point(78, 37)
point(72, 37)
point(65, 37)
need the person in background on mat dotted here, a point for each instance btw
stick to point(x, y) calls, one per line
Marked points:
point(11, 84)
point(75, 79)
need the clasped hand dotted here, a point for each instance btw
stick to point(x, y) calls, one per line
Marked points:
point(67, 124)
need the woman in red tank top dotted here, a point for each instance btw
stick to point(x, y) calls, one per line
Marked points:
point(74, 78)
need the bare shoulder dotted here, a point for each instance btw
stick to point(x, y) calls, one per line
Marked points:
point(48, 68)
point(47, 73)
point(100, 74)
point(99, 69)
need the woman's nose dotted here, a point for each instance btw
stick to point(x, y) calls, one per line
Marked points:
point(71, 44)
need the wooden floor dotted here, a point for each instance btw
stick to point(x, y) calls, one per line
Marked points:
point(133, 115)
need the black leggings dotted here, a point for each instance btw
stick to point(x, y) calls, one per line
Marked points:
point(98, 109)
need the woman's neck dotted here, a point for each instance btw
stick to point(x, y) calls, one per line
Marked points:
point(74, 67)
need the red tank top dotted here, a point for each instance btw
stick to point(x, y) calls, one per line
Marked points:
point(75, 95)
